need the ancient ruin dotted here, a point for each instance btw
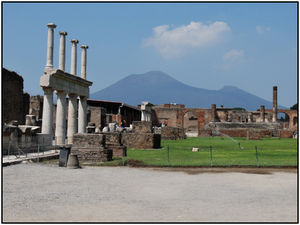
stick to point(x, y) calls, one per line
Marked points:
point(64, 84)
point(235, 122)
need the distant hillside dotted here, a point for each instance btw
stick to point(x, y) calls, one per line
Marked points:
point(160, 88)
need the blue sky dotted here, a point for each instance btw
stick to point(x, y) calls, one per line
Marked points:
point(208, 45)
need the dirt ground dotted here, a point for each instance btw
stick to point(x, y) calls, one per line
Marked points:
point(46, 193)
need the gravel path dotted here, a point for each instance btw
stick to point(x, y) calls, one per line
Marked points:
point(47, 193)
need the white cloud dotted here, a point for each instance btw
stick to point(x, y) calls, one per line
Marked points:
point(262, 30)
point(172, 43)
point(233, 55)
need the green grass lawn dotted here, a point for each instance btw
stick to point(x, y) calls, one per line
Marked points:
point(225, 152)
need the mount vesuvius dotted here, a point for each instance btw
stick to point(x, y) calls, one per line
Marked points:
point(160, 88)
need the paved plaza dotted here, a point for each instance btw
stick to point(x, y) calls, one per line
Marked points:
point(46, 193)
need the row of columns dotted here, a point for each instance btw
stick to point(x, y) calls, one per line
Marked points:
point(74, 125)
point(76, 112)
point(62, 52)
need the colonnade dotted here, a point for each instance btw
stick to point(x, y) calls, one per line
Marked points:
point(77, 89)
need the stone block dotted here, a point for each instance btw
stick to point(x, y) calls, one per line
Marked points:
point(142, 127)
point(172, 133)
point(113, 138)
point(286, 134)
point(88, 140)
point(141, 140)
point(205, 132)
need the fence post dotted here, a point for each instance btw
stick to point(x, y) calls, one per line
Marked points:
point(168, 155)
point(211, 162)
point(257, 161)
point(8, 151)
point(38, 153)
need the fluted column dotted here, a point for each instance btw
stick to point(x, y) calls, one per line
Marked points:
point(47, 121)
point(72, 118)
point(83, 61)
point(62, 50)
point(74, 57)
point(60, 130)
point(82, 114)
point(49, 64)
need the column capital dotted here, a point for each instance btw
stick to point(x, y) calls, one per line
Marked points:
point(83, 97)
point(63, 33)
point(47, 90)
point(72, 95)
point(84, 46)
point(74, 41)
point(51, 25)
point(60, 92)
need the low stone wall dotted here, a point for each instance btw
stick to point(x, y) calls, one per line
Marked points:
point(253, 135)
point(141, 127)
point(24, 139)
point(141, 140)
point(91, 147)
point(172, 133)
point(205, 132)
point(286, 134)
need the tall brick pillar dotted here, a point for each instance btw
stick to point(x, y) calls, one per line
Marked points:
point(274, 104)
point(213, 112)
point(262, 113)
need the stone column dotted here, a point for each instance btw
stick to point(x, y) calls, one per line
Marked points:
point(143, 116)
point(213, 112)
point(74, 57)
point(60, 130)
point(83, 61)
point(82, 115)
point(47, 121)
point(262, 113)
point(72, 118)
point(62, 50)
point(49, 64)
point(274, 119)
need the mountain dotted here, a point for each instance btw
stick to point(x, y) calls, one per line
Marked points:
point(160, 88)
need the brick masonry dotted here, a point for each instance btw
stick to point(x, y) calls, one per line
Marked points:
point(15, 101)
point(172, 133)
point(141, 140)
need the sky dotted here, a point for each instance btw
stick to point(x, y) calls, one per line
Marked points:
point(252, 46)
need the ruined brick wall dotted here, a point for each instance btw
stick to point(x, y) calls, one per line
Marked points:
point(205, 132)
point(91, 147)
point(15, 102)
point(96, 115)
point(141, 127)
point(235, 132)
point(172, 133)
point(286, 134)
point(173, 117)
point(142, 136)
point(141, 140)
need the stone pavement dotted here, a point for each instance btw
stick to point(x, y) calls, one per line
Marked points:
point(13, 159)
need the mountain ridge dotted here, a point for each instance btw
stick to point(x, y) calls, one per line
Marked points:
point(160, 88)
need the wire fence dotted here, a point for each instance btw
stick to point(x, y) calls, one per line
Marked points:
point(14, 150)
point(210, 156)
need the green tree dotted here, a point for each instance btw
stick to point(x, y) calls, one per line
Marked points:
point(295, 107)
